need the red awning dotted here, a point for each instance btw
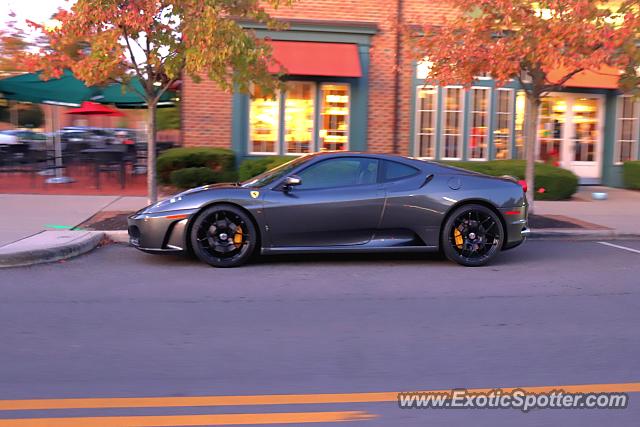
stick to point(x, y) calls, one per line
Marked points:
point(94, 109)
point(605, 77)
point(316, 59)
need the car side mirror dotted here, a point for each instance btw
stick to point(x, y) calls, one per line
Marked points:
point(291, 181)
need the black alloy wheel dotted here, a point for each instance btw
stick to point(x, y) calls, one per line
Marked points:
point(223, 236)
point(472, 236)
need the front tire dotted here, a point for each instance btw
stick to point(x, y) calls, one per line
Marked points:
point(223, 236)
point(472, 235)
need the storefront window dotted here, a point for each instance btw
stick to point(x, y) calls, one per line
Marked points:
point(627, 137)
point(426, 107)
point(334, 117)
point(519, 129)
point(551, 128)
point(263, 123)
point(453, 118)
point(479, 130)
point(299, 117)
point(504, 122)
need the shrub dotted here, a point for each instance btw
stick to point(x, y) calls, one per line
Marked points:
point(558, 183)
point(219, 160)
point(631, 175)
point(252, 167)
point(192, 177)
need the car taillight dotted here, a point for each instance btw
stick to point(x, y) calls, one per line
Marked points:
point(523, 184)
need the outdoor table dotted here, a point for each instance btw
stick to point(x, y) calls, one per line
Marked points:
point(104, 158)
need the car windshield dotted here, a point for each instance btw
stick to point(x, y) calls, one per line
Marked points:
point(274, 174)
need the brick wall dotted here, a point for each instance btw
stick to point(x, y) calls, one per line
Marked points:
point(206, 114)
point(207, 110)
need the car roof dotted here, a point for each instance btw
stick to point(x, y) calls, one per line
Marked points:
point(330, 154)
point(418, 163)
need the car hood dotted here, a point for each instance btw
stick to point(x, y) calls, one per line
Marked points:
point(197, 197)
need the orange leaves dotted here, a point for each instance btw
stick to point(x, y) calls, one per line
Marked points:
point(504, 37)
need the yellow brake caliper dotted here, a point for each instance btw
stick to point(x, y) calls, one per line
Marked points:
point(237, 238)
point(458, 236)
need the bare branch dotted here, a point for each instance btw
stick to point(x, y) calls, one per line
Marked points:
point(133, 57)
point(558, 85)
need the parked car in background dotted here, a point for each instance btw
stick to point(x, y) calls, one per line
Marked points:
point(35, 140)
point(8, 138)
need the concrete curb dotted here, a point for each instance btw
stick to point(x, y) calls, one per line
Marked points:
point(122, 236)
point(117, 236)
point(580, 234)
point(49, 246)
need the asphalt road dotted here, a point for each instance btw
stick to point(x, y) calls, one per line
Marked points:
point(120, 323)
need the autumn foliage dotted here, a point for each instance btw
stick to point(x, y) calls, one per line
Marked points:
point(159, 42)
point(541, 44)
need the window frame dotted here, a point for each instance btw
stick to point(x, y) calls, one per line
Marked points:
point(314, 132)
point(318, 115)
point(511, 120)
point(418, 122)
point(519, 134)
point(377, 181)
point(443, 120)
point(617, 151)
point(249, 142)
point(471, 112)
point(382, 169)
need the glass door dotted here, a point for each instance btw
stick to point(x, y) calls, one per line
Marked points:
point(569, 133)
point(584, 140)
point(551, 129)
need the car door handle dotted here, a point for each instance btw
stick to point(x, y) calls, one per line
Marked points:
point(427, 180)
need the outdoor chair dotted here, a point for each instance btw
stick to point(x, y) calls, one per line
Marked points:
point(108, 160)
point(18, 159)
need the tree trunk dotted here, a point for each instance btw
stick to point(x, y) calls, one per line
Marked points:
point(530, 141)
point(14, 119)
point(152, 189)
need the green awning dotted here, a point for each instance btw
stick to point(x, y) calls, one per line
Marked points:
point(68, 90)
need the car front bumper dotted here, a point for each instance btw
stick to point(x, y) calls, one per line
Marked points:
point(161, 232)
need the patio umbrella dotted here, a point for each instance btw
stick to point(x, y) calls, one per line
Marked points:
point(69, 91)
point(89, 108)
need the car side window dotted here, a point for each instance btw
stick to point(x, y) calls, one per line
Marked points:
point(395, 170)
point(339, 172)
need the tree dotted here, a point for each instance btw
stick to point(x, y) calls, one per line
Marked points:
point(540, 44)
point(13, 46)
point(158, 41)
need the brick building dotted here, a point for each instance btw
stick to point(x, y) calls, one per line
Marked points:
point(354, 85)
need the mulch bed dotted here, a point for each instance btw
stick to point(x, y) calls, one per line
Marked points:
point(106, 221)
point(539, 221)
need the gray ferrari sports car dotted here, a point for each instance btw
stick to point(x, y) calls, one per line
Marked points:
point(340, 202)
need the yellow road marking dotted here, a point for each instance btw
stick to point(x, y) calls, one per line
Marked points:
point(192, 420)
point(274, 399)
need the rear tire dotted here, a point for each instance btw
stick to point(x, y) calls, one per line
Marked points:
point(223, 236)
point(472, 235)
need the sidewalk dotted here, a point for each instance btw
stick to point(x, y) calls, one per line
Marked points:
point(38, 228)
point(619, 214)
point(23, 215)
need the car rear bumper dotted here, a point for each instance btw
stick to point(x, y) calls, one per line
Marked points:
point(517, 228)
point(164, 232)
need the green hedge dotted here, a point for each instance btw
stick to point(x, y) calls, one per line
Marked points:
point(558, 183)
point(631, 175)
point(252, 167)
point(220, 160)
point(193, 177)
